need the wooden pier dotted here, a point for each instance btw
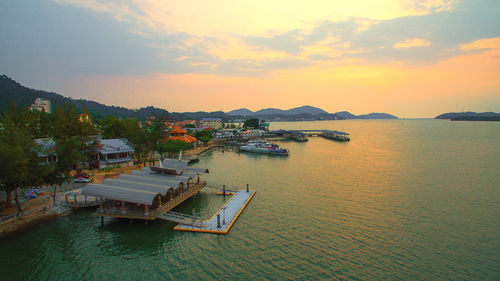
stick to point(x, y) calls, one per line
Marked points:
point(222, 221)
point(301, 135)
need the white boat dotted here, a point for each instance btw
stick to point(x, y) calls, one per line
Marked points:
point(261, 146)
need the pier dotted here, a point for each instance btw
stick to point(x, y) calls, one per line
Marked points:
point(302, 135)
point(147, 194)
point(222, 221)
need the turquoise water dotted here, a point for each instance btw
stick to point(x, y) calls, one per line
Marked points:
point(405, 199)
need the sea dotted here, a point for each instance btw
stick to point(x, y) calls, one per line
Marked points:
point(415, 199)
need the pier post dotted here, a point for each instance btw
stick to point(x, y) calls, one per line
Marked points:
point(224, 190)
point(102, 220)
point(194, 214)
point(247, 187)
point(218, 220)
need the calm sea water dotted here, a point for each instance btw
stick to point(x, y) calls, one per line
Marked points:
point(405, 199)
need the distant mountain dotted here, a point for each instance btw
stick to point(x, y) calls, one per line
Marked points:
point(348, 115)
point(179, 116)
point(269, 111)
point(241, 111)
point(376, 116)
point(451, 115)
point(306, 112)
point(306, 109)
point(470, 116)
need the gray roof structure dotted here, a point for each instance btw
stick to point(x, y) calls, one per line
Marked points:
point(121, 193)
point(145, 186)
point(115, 146)
point(151, 187)
point(159, 176)
point(153, 180)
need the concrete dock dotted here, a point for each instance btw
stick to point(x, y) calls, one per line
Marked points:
point(222, 221)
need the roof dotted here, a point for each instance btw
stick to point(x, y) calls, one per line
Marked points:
point(108, 146)
point(173, 164)
point(151, 187)
point(121, 194)
point(185, 138)
point(178, 130)
point(45, 147)
point(211, 119)
point(173, 183)
point(185, 122)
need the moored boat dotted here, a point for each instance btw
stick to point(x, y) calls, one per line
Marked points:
point(264, 147)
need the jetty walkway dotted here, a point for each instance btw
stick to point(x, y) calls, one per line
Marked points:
point(301, 135)
point(222, 221)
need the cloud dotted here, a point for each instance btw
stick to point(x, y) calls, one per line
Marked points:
point(412, 43)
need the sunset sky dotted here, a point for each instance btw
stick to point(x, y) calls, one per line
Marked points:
point(408, 58)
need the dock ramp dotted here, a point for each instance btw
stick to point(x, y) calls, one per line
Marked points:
point(182, 219)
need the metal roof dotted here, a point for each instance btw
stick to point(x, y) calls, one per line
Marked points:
point(115, 146)
point(175, 183)
point(145, 173)
point(162, 189)
point(195, 170)
point(121, 193)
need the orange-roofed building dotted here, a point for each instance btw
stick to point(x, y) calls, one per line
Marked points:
point(185, 122)
point(179, 134)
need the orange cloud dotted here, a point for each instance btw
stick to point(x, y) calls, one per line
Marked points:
point(490, 43)
point(411, 43)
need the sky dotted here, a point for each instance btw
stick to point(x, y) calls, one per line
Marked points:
point(408, 58)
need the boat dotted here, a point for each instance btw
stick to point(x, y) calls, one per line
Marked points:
point(261, 146)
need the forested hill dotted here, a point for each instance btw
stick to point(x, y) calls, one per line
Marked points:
point(21, 95)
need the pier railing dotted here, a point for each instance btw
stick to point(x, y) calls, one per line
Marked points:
point(117, 212)
point(183, 196)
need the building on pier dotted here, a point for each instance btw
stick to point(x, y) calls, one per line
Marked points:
point(148, 193)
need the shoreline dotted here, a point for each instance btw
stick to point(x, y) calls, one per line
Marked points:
point(16, 226)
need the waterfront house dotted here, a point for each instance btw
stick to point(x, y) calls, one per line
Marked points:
point(113, 153)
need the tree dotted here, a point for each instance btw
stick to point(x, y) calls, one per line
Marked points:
point(19, 163)
point(252, 123)
point(73, 143)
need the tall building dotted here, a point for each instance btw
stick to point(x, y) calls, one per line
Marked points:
point(42, 104)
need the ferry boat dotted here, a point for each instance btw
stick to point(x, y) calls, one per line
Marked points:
point(261, 146)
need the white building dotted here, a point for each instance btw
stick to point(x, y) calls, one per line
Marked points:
point(114, 153)
point(42, 104)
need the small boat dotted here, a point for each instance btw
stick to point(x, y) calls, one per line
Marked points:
point(261, 146)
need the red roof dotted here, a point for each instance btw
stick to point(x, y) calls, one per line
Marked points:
point(178, 130)
point(185, 122)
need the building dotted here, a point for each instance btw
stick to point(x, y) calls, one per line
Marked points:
point(214, 123)
point(42, 104)
point(113, 153)
point(84, 117)
point(147, 194)
point(181, 135)
point(45, 149)
point(185, 123)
